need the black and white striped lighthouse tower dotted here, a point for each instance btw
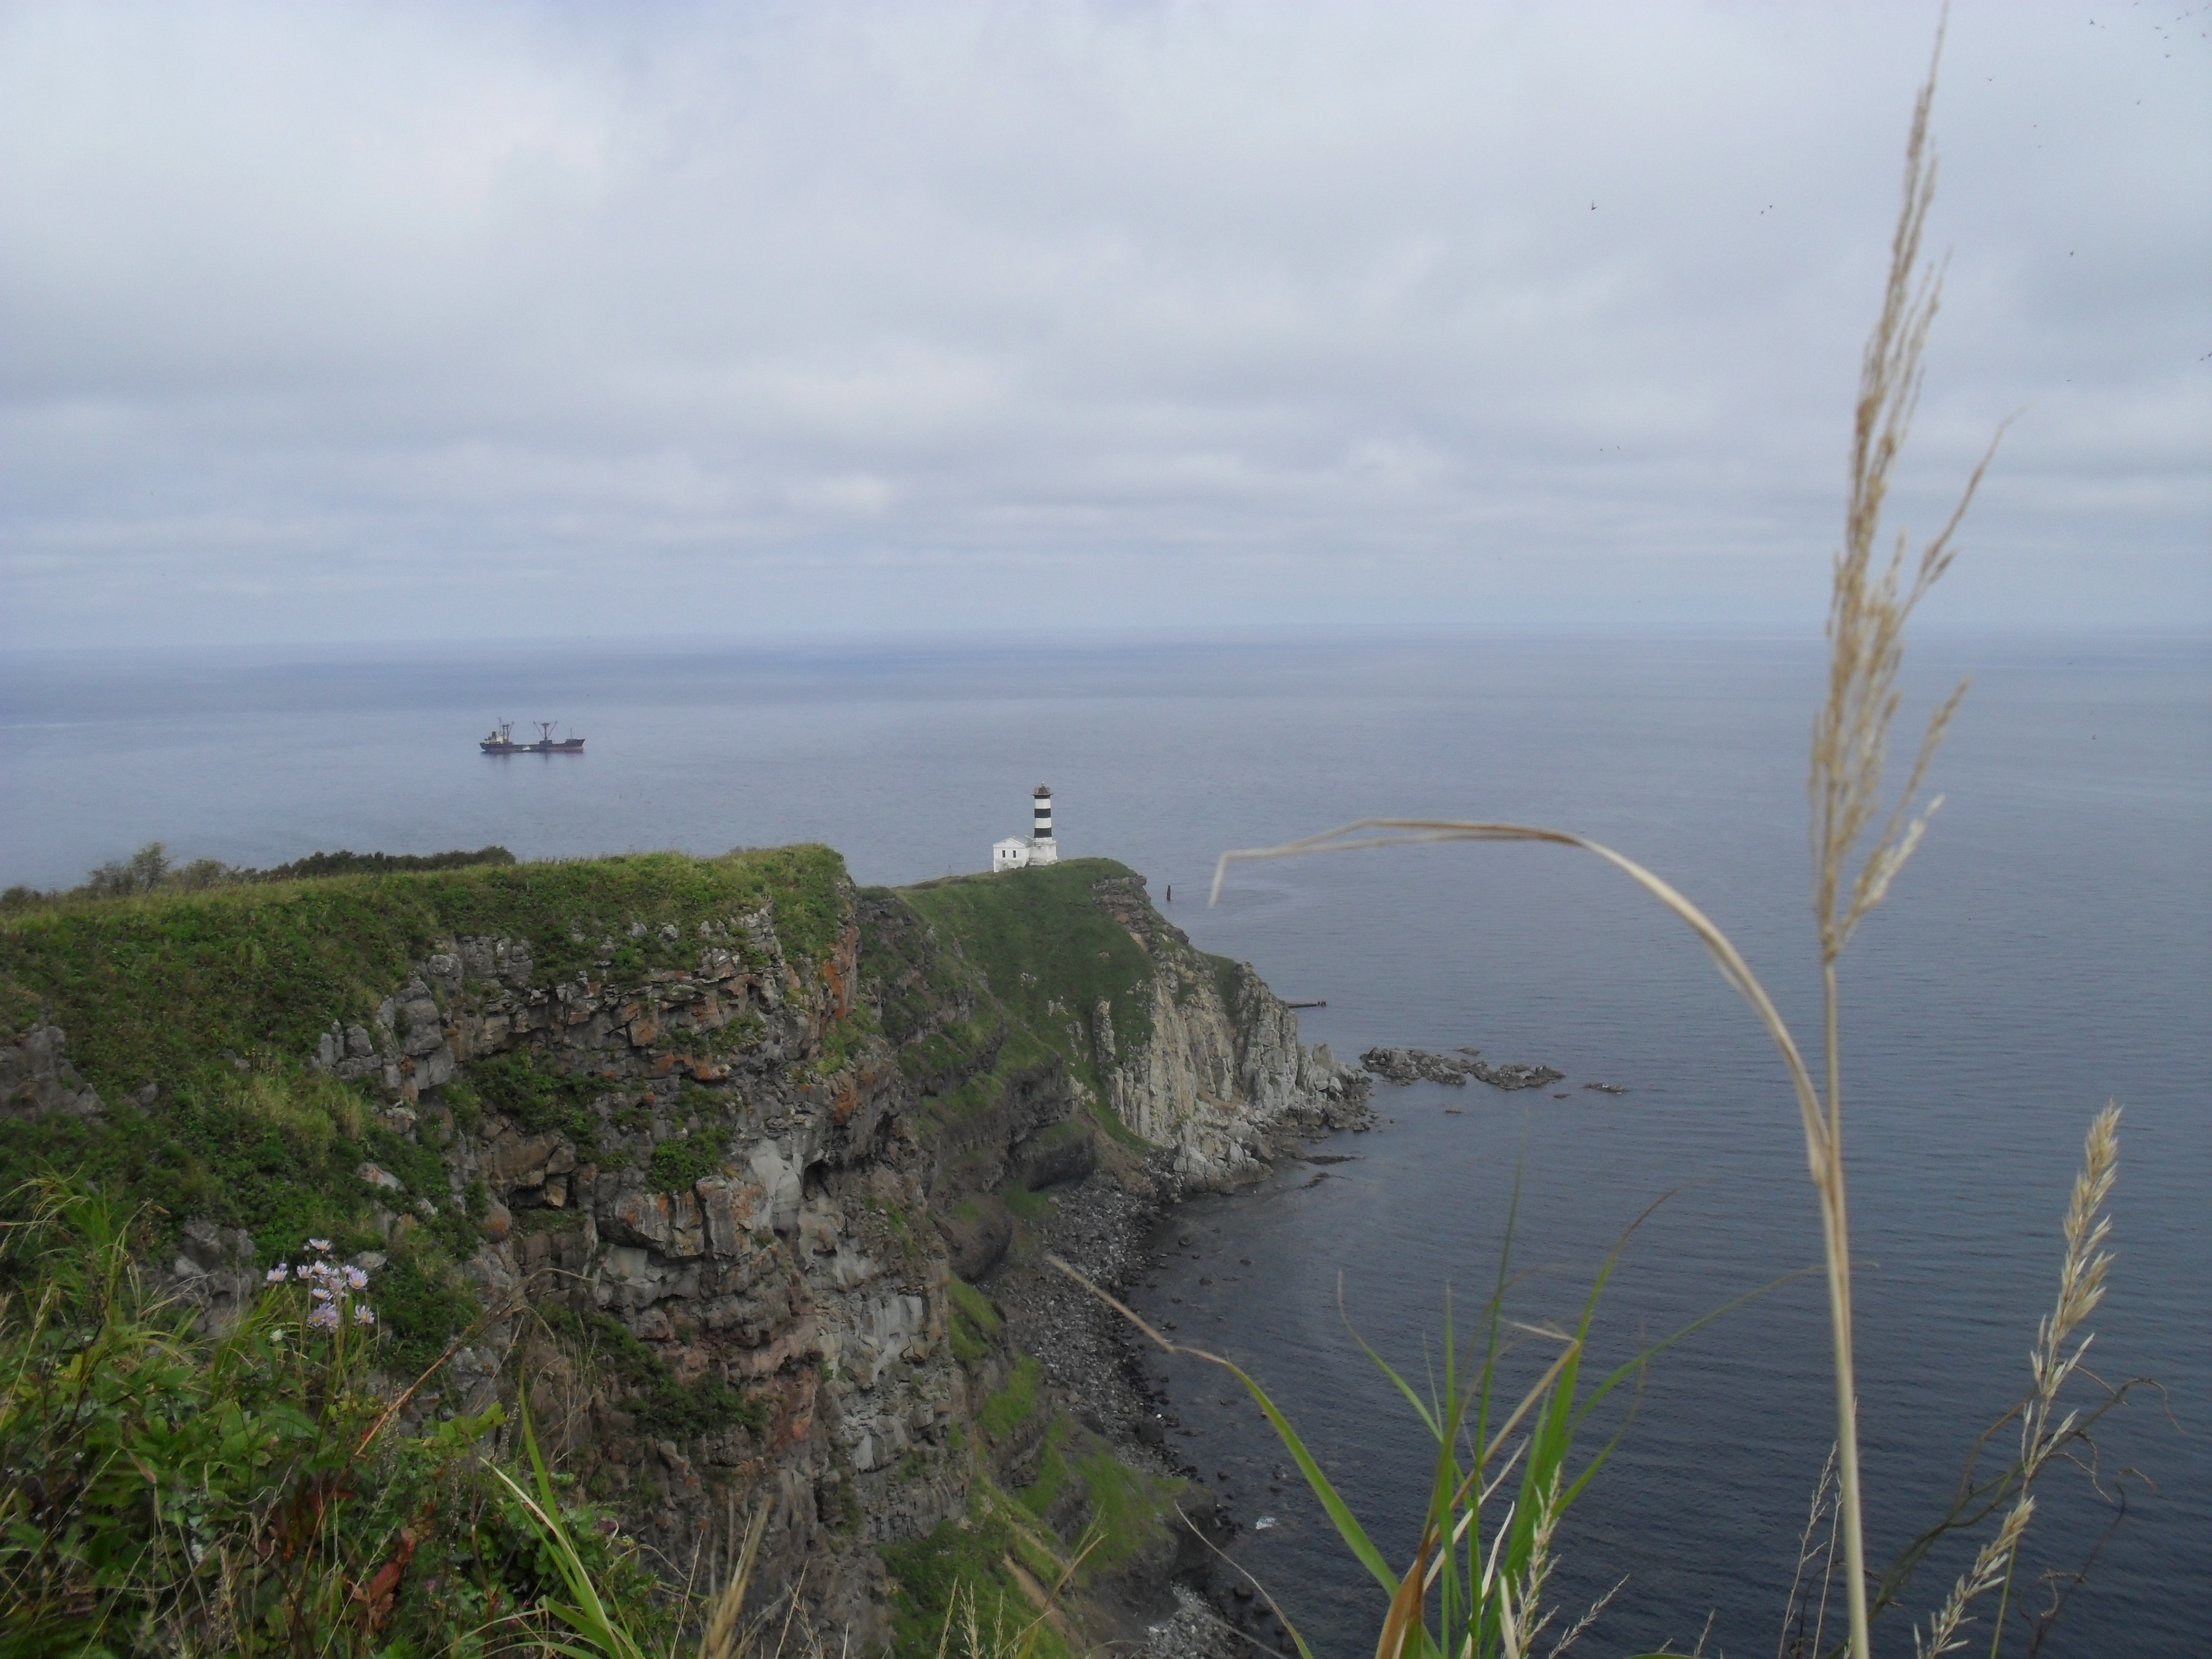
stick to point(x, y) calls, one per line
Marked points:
point(1043, 849)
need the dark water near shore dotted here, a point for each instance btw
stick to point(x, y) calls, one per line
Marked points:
point(2049, 947)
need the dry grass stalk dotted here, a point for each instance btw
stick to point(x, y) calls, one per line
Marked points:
point(1862, 837)
point(1524, 1624)
point(722, 1637)
point(1589, 1617)
point(2081, 1286)
point(1866, 615)
point(1992, 1566)
point(1821, 1510)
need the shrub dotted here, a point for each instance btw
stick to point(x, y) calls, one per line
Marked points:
point(163, 1492)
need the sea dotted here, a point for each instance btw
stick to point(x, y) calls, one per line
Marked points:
point(2048, 949)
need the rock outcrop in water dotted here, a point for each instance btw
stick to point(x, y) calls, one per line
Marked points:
point(1398, 1065)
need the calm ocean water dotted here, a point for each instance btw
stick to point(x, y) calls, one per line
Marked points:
point(2048, 949)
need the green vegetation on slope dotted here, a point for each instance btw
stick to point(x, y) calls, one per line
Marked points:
point(217, 997)
point(1126, 1511)
point(154, 987)
point(974, 1323)
point(1049, 953)
point(170, 1492)
point(933, 1578)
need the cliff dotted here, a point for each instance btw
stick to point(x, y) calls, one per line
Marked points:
point(718, 1164)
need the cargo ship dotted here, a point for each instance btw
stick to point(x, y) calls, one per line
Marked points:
point(501, 741)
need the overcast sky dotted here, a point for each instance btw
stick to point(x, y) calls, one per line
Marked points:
point(385, 322)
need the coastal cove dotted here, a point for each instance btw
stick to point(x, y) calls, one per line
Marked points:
point(2048, 950)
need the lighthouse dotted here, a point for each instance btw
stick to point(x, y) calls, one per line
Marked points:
point(1015, 854)
point(1043, 849)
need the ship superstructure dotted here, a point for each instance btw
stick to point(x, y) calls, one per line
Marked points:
point(501, 741)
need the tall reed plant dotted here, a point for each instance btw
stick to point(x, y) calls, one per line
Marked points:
point(1863, 832)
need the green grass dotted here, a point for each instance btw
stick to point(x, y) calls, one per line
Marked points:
point(156, 988)
point(1049, 954)
point(843, 1039)
point(538, 1097)
point(1228, 975)
point(1126, 1510)
point(1130, 1510)
point(963, 1559)
point(1015, 1404)
point(974, 1323)
point(677, 1163)
point(981, 1091)
point(235, 1494)
point(219, 996)
point(1026, 1205)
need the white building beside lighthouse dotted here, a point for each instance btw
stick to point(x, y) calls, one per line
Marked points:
point(1014, 853)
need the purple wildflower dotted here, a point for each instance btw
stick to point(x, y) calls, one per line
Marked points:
point(321, 1293)
point(319, 1245)
point(356, 1279)
point(278, 1274)
point(324, 1315)
point(363, 1314)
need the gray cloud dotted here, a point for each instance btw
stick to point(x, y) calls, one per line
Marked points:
point(419, 321)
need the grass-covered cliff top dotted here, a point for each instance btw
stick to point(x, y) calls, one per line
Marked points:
point(153, 988)
point(217, 997)
point(1050, 953)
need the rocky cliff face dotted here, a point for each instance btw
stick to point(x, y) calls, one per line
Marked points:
point(705, 1250)
point(716, 1206)
point(1222, 1080)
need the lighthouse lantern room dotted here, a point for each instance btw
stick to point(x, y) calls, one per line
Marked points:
point(1015, 854)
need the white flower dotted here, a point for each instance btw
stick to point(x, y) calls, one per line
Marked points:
point(320, 1293)
point(319, 1243)
point(355, 1278)
point(278, 1274)
point(363, 1314)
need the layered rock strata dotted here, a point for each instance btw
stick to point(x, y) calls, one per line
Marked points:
point(1224, 1080)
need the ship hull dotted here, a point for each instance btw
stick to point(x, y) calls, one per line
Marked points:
point(501, 742)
